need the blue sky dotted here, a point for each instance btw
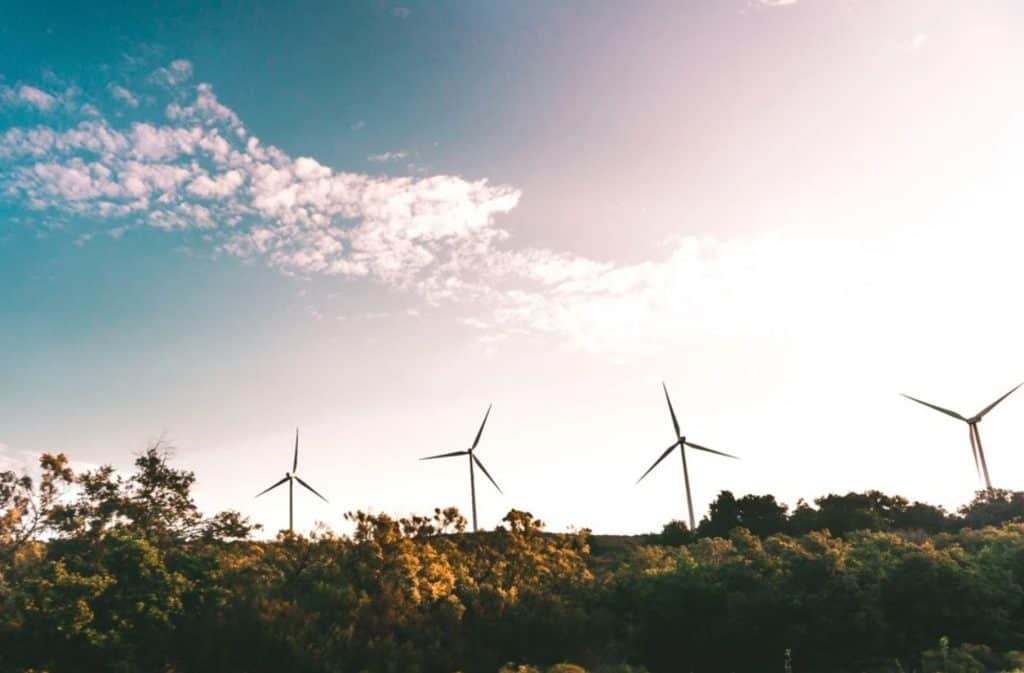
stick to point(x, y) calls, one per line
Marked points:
point(371, 220)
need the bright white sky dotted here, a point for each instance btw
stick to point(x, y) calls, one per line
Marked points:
point(789, 212)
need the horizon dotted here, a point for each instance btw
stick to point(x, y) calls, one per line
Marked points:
point(790, 213)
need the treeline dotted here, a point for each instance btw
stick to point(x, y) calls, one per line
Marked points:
point(103, 572)
point(841, 515)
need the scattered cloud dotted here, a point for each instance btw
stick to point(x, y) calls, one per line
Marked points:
point(357, 126)
point(917, 41)
point(30, 96)
point(385, 157)
point(37, 97)
point(124, 95)
point(175, 74)
point(774, 3)
point(440, 239)
point(198, 168)
point(401, 12)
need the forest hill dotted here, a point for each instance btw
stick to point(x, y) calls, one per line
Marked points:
point(100, 571)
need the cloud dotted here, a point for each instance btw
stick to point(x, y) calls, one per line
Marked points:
point(401, 12)
point(916, 42)
point(176, 73)
point(198, 168)
point(29, 95)
point(206, 110)
point(124, 95)
point(440, 238)
point(37, 97)
point(221, 186)
point(774, 3)
point(385, 157)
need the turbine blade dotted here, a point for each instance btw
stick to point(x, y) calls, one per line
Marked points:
point(295, 460)
point(660, 458)
point(271, 488)
point(675, 423)
point(487, 474)
point(936, 407)
point(704, 448)
point(974, 451)
point(446, 455)
point(981, 414)
point(313, 490)
point(481, 431)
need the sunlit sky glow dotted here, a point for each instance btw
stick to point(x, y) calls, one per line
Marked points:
point(372, 221)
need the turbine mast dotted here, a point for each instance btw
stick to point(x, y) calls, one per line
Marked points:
point(472, 487)
point(686, 479)
point(291, 504)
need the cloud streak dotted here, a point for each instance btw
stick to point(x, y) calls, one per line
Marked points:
point(30, 96)
point(438, 237)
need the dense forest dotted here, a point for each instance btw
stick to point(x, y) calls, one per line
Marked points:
point(108, 572)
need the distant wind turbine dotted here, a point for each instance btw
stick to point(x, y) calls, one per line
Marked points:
point(682, 443)
point(980, 466)
point(472, 460)
point(291, 478)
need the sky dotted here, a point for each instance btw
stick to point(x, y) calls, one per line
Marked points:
point(371, 220)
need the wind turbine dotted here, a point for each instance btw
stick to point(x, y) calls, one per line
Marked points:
point(682, 443)
point(980, 466)
point(291, 478)
point(472, 460)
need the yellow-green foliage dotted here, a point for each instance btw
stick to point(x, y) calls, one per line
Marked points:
point(124, 574)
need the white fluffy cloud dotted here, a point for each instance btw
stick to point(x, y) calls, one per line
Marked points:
point(440, 236)
point(124, 95)
point(30, 96)
point(436, 236)
point(199, 168)
point(176, 73)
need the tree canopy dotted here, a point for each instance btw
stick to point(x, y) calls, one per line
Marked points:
point(107, 572)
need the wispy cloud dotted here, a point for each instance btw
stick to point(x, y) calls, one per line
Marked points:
point(440, 237)
point(124, 95)
point(917, 41)
point(437, 236)
point(175, 74)
point(385, 157)
point(29, 95)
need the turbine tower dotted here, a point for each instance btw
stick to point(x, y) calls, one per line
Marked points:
point(980, 466)
point(682, 443)
point(291, 478)
point(473, 460)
